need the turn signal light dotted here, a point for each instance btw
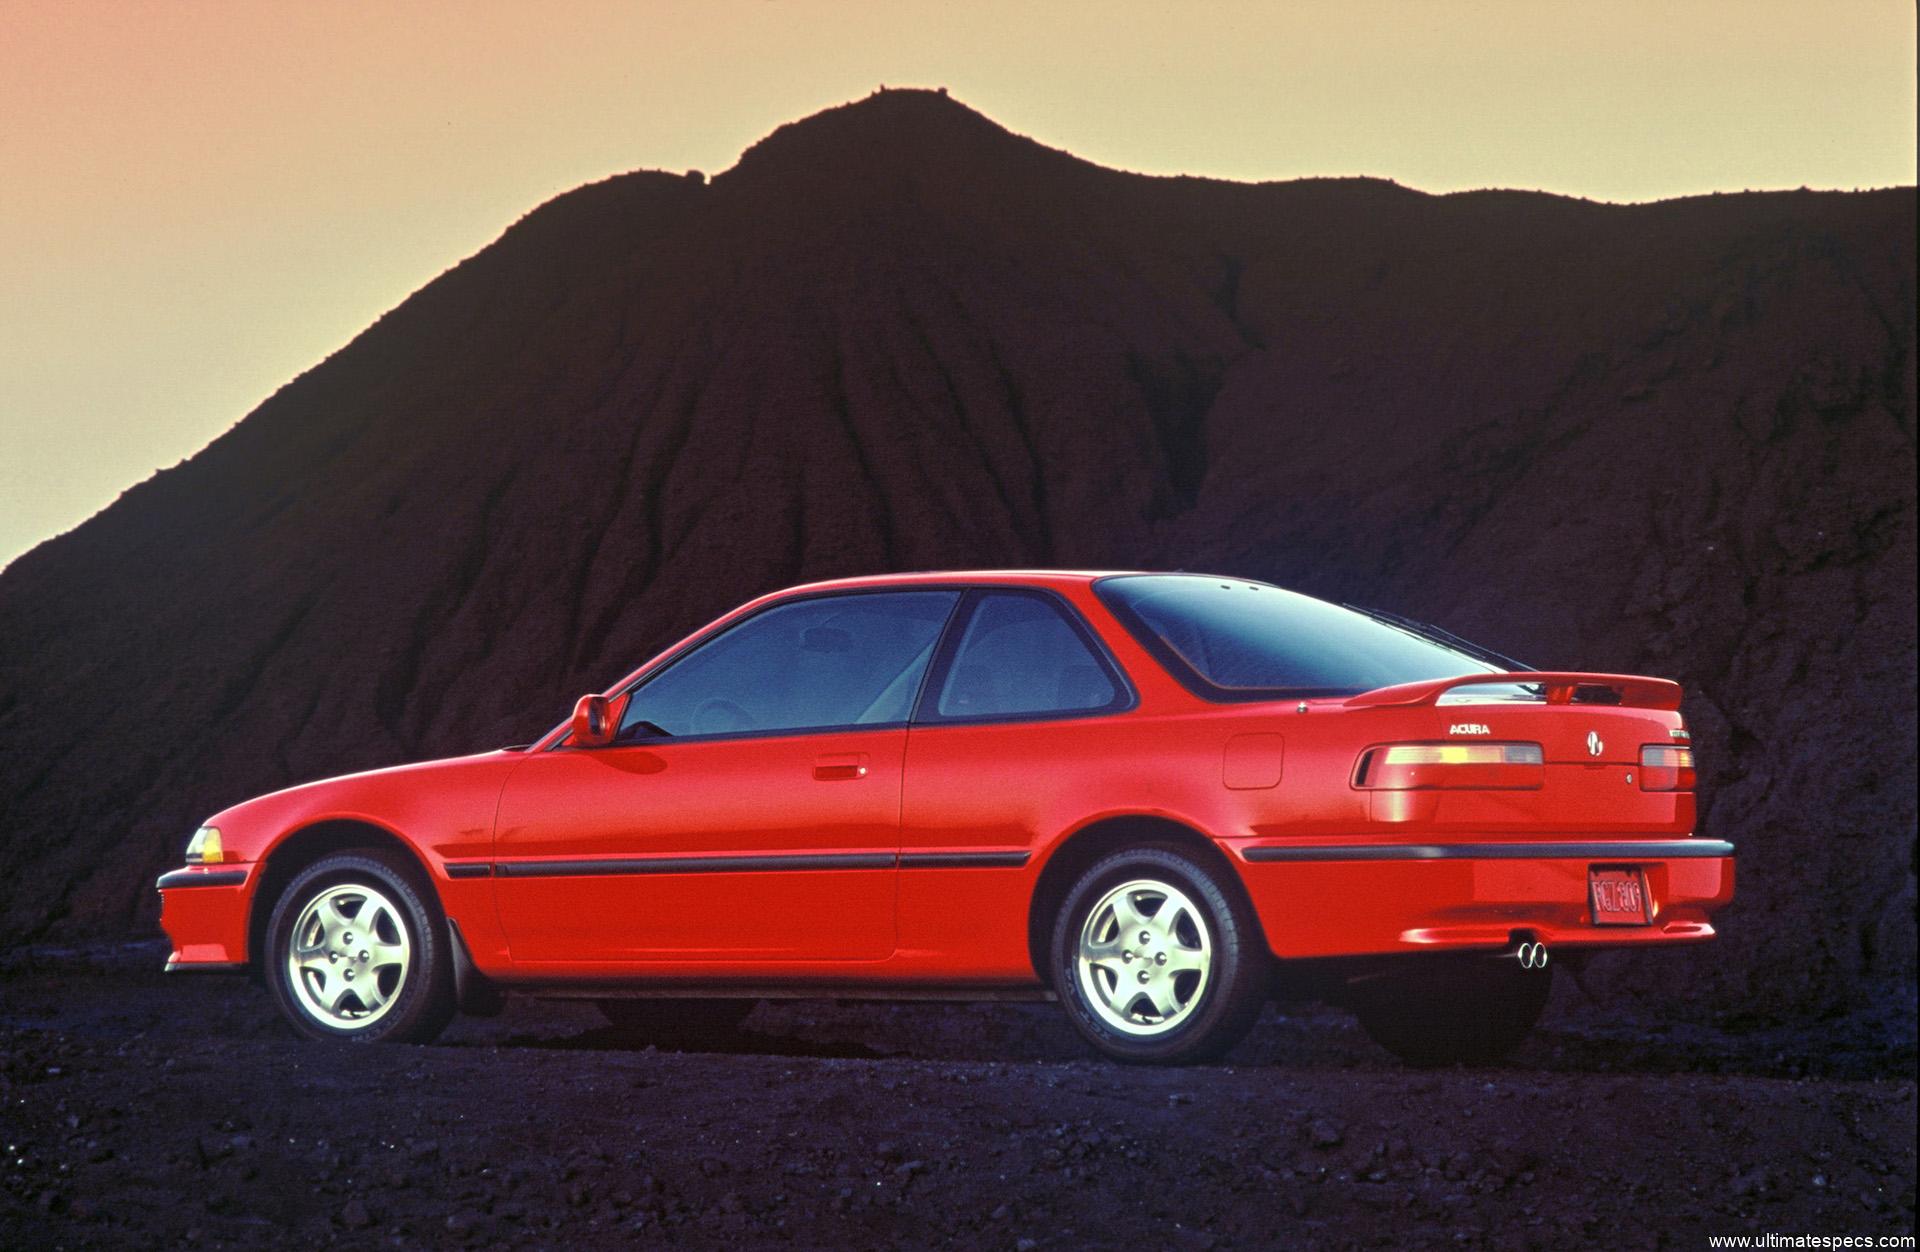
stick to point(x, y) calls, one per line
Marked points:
point(1664, 767)
point(204, 847)
point(1471, 766)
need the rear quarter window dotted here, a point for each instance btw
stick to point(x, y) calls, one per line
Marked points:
point(1018, 655)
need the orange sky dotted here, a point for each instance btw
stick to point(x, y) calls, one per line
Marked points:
point(199, 200)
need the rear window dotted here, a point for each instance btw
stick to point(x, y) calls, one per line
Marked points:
point(1230, 640)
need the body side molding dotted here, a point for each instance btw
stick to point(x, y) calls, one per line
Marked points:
point(963, 860)
point(776, 863)
point(1611, 850)
point(693, 864)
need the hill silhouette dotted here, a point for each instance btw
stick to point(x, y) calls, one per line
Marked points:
point(1674, 438)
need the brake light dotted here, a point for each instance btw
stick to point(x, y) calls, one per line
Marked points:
point(1664, 767)
point(1427, 766)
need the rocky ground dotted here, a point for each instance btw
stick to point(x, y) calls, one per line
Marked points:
point(145, 1111)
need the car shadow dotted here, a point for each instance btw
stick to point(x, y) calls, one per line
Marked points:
point(1305, 1040)
point(742, 1042)
point(802, 1029)
point(118, 992)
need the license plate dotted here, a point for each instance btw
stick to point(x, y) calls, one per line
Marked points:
point(1619, 897)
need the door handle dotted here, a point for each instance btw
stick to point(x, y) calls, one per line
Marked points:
point(840, 768)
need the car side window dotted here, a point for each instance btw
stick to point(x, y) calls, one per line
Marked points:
point(852, 660)
point(1019, 655)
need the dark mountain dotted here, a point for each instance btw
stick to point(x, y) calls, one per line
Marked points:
point(1674, 438)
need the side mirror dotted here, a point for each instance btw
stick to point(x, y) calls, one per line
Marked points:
point(593, 722)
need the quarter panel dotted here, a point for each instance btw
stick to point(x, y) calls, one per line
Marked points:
point(1024, 787)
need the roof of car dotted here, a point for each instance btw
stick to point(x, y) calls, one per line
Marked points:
point(1021, 577)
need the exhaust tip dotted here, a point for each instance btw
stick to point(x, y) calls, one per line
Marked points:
point(1531, 954)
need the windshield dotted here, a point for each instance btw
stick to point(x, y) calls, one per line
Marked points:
point(1232, 640)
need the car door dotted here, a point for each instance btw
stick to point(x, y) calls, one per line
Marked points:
point(748, 811)
point(1016, 731)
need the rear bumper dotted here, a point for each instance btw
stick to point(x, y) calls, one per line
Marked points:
point(1326, 899)
point(204, 912)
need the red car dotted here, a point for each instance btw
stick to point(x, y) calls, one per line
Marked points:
point(1158, 798)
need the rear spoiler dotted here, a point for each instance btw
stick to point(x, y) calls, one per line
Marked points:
point(1632, 690)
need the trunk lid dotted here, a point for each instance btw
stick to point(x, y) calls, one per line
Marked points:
point(1591, 729)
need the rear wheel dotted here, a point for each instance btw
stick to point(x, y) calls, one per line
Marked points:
point(1442, 1010)
point(677, 1023)
point(356, 951)
point(1157, 959)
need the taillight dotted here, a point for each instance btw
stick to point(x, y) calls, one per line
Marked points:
point(1425, 766)
point(1664, 767)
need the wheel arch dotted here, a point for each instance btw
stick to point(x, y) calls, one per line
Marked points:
point(303, 846)
point(1075, 852)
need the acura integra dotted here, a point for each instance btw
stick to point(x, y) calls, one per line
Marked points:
point(1160, 799)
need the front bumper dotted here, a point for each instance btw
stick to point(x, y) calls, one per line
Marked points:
point(1354, 899)
point(203, 909)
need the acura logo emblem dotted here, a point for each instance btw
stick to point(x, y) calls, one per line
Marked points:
point(1594, 746)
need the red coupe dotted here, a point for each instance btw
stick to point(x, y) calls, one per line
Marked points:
point(1158, 798)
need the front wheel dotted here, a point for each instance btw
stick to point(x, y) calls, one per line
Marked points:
point(355, 951)
point(1156, 958)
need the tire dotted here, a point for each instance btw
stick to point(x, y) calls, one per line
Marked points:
point(677, 1023)
point(330, 982)
point(1207, 970)
point(1441, 1010)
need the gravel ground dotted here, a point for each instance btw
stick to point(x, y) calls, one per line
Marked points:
point(141, 1110)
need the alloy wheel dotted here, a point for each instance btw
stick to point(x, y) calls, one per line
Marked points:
point(1144, 957)
point(348, 956)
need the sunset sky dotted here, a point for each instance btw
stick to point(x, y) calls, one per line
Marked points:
point(200, 200)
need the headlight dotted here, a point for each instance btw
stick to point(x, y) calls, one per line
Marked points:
point(204, 847)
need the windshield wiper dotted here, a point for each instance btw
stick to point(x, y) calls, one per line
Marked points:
point(1440, 635)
